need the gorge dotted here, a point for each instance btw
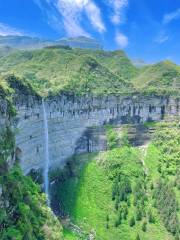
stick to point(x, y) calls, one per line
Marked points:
point(82, 127)
point(68, 119)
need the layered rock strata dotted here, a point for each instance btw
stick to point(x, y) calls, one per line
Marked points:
point(75, 124)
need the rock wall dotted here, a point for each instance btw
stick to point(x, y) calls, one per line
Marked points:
point(75, 124)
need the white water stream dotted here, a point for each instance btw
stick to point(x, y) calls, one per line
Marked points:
point(46, 153)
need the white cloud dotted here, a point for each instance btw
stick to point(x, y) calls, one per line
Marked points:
point(168, 18)
point(71, 16)
point(121, 40)
point(171, 16)
point(94, 15)
point(6, 30)
point(118, 7)
point(69, 13)
point(163, 37)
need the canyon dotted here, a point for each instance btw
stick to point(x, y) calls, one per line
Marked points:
point(76, 131)
point(75, 124)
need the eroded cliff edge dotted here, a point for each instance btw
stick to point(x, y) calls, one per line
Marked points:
point(69, 119)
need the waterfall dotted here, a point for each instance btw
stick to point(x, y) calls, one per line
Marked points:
point(46, 153)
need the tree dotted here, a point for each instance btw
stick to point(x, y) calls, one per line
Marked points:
point(138, 237)
point(119, 218)
point(139, 215)
point(152, 186)
point(116, 224)
point(116, 205)
point(107, 225)
point(159, 168)
point(144, 226)
point(151, 217)
point(128, 202)
point(132, 222)
point(125, 212)
point(177, 236)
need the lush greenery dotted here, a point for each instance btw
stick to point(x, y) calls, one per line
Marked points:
point(82, 71)
point(163, 159)
point(75, 71)
point(6, 107)
point(23, 211)
point(163, 77)
point(124, 193)
point(24, 214)
point(7, 143)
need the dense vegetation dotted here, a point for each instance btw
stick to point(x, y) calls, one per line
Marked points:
point(165, 173)
point(113, 195)
point(163, 77)
point(127, 192)
point(24, 214)
point(23, 211)
point(76, 71)
point(7, 143)
point(82, 71)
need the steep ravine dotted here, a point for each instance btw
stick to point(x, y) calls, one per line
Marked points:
point(71, 121)
point(75, 125)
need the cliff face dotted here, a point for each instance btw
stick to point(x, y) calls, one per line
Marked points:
point(75, 124)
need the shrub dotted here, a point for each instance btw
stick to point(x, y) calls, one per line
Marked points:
point(165, 201)
point(139, 214)
point(138, 237)
point(132, 222)
point(151, 217)
point(144, 226)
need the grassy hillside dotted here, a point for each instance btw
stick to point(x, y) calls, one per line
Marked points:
point(82, 71)
point(127, 192)
point(163, 77)
point(163, 163)
point(54, 70)
point(118, 63)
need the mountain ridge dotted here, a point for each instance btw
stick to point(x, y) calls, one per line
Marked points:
point(27, 42)
point(85, 71)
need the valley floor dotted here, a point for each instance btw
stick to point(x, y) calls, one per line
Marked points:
point(113, 195)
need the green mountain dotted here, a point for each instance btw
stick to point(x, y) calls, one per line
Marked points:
point(23, 42)
point(80, 42)
point(118, 63)
point(139, 63)
point(162, 76)
point(83, 71)
point(78, 71)
point(5, 50)
point(26, 42)
point(127, 192)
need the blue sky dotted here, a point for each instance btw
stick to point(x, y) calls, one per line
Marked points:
point(146, 29)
